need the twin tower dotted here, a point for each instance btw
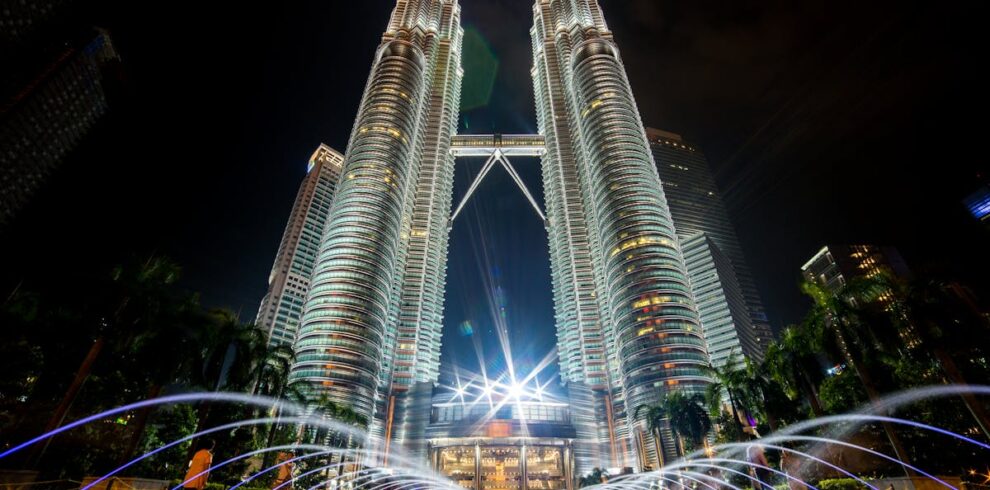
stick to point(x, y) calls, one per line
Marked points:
point(627, 327)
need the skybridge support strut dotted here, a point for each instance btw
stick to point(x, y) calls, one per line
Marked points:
point(497, 155)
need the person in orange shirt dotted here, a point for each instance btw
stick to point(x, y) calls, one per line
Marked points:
point(285, 467)
point(200, 463)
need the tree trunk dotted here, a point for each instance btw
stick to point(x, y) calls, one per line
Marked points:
point(58, 416)
point(974, 406)
point(202, 413)
point(871, 391)
point(735, 413)
point(771, 418)
point(273, 431)
point(812, 394)
point(658, 442)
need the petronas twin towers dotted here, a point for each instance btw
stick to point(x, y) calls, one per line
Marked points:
point(627, 327)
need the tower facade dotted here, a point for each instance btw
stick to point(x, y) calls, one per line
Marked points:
point(627, 324)
point(370, 328)
point(288, 283)
point(697, 207)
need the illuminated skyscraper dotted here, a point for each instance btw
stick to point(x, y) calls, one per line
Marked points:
point(369, 337)
point(835, 266)
point(371, 326)
point(697, 207)
point(626, 322)
point(288, 283)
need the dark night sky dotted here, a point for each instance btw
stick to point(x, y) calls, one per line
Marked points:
point(825, 122)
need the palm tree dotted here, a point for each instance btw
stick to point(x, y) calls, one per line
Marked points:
point(687, 418)
point(235, 357)
point(165, 356)
point(728, 381)
point(765, 396)
point(837, 317)
point(596, 477)
point(790, 361)
point(655, 417)
point(338, 413)
point(126, 306)
point(940, 316)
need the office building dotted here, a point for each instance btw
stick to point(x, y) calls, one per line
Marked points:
point(288, 282)
point(46, 112)
point(490, 441)
point(696, 206)
point(834, 266)
point(720, 300)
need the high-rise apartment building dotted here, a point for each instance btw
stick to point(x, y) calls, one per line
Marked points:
point(835, 265)
point(288, 282)
point(628, 330)
point(697, 207)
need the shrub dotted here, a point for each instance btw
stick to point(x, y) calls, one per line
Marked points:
point(840, 484)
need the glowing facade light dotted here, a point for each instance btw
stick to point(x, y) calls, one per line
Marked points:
point(516, 391)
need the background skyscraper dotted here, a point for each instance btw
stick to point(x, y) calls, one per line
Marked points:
point(50, 100)
point(697, 207)
point(835, 265)
point(720, 301)
point(627, 324)
point(288, 282)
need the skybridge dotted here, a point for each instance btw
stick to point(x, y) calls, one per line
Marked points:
point(497, 148)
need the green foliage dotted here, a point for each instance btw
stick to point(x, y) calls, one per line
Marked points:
point(840, 484)
point(214, 486)
point(686, 414)
point(596, 477)
point(842, 393)
point(168, 423)
point(147, 337)
point(729, 429)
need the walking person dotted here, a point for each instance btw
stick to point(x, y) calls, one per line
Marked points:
point(791, 466)
point(199, 466)
point(285, 468)
point(759, 466)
